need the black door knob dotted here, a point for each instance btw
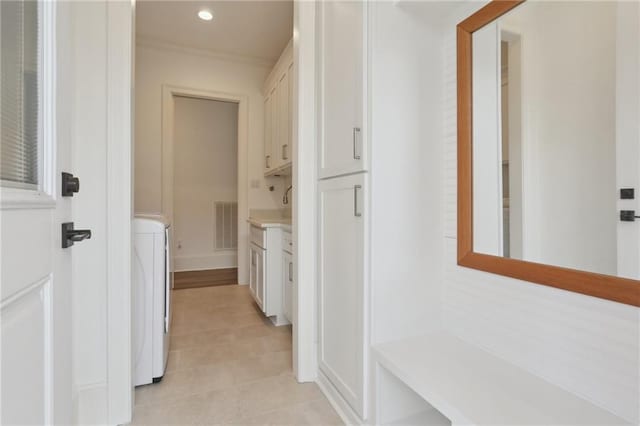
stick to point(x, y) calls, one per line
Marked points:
point(70, 235)
point(70, 184)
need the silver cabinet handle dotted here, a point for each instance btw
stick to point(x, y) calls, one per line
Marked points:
point(290, 271)
point(267, 162)
point(356, 143)
point(356, 209)
point(285, 149)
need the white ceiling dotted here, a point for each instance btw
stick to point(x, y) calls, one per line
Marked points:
point(252, 29)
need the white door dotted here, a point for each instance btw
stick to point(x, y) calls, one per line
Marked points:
point(341, 296)
point(342, 87)
point(35, 287)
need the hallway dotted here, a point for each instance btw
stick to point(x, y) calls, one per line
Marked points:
point(228, 365)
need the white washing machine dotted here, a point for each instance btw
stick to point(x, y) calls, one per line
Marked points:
point(152, 282)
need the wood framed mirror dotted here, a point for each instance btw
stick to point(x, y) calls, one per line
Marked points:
point(548, 205)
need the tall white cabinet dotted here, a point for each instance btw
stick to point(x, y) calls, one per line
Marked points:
point(343, 213)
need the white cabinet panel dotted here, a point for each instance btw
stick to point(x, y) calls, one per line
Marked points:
point(268, 139)
point(281, 145)
point(256, 274)
point(274, 134)
point(287, 280)
point(342, 327)
point(342, 87)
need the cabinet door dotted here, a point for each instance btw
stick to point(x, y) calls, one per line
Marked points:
point(342, 331)
point(268, 141)
point(284, 145)
point(287, 285)
point(256, 274)
point(274, 128)
point(342, 87)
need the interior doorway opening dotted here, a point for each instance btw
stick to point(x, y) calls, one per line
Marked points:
point(205, 192)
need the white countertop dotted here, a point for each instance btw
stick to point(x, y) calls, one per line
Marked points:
point(284, 223)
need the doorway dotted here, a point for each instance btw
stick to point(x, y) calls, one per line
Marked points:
point(205, 192)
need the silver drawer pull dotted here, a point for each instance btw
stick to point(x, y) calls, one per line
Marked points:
point(356, 143)
point(356, 208)
point(267, 161)
point(290, 271)
point(285, 151)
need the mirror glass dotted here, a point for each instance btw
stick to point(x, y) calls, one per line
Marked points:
point(556, 135)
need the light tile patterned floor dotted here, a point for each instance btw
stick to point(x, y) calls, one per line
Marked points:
point(228, 365)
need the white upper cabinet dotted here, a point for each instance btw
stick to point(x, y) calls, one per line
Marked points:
point(342, 87)
point(284, 121)
point(268, 157)
point(278, 112)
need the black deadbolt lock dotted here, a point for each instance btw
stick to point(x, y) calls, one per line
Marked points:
point(70, 235)
point(70, 184)
point(627, 193)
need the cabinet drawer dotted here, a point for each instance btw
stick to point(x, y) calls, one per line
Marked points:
point(258, 236)
point(287, 242)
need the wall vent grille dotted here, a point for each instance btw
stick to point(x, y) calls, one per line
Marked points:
point(226, 220)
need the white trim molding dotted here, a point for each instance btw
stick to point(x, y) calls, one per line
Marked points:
point(342, 407)
point(154, 43)
point(305, 360)
point(120, 54)
point(217, 260)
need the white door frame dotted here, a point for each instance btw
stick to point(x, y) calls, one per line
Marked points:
point(305, 353)
point(120, 42)
point(169, 92)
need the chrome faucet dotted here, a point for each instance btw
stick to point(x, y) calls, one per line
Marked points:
point(285, 198)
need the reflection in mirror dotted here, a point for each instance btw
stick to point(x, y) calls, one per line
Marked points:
point(556, 135)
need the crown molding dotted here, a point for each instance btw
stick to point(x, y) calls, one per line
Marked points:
point(153, 43)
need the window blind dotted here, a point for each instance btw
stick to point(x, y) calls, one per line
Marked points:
point(19, 90)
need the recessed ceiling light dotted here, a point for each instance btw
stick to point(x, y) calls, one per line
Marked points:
point(205, 15)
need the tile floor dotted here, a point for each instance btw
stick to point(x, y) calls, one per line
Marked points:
point(228, 365)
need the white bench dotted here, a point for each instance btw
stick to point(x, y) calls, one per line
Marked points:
point(440, 379)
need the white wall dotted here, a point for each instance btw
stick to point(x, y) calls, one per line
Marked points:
point(586, 345)
point(628, 132)
point(205, 171)
point(157, 66)
point(406, 177)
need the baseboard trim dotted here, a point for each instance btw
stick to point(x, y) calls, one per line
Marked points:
point(342, 407)
point(223, 259)
point(91, 404)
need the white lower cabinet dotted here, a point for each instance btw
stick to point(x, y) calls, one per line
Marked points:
point(266, 272)
point(342, 307)
point(287, 282)
point(256, 274)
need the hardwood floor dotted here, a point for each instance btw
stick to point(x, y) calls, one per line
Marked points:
point(208, 278)
point(228, 365)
